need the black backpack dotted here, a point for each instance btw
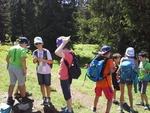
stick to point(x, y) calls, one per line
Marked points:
point(44, 56)
point(74, 70)
point(22, 108)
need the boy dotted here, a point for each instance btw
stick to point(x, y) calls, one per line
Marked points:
point(63, 51)
point(105, 85)
point(43, 69)
point(116, 58)
point(144, 68)
point(16, 65)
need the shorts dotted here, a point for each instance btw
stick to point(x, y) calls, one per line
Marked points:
point(44, 79)
point(65, 85)
point(122, 81)
point(15, 74)
point(108, 91)
point(115, 83)
point(142, 86)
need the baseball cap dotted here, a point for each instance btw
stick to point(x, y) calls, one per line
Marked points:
point(105, 49)
point(130, 52)
point(60, 39)
point(23, 39)
point(38, 40)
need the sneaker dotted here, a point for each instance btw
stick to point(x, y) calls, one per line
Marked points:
point(140, 103)
point(63, 107)
point(116, 102)
point(10, 101)
point(147, 107)
point(66, 111)
point(120, 108)
point(27, 100)
point(43, 100)
point(93, 109)
point(47, 101)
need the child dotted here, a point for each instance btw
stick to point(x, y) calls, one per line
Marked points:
point(116, 58)
point(144, 67)
point(105, 85)
point(16, 65)
point(43, 69)
point(129, 56)
point(63, 51)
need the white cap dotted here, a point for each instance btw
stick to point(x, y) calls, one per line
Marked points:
point(130, 52)
point(38, 40)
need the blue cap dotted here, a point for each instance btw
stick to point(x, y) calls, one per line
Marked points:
point(23, 39)
point(105, 49)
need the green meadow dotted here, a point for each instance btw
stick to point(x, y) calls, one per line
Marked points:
point(82, 95)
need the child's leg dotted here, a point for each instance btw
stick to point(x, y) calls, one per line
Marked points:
point(96, 101)
point(109, 103)
point(43, 90)
point(17, 89)
point(114, 94)
point(129, 87)
point(48, 90)
point(121, 94)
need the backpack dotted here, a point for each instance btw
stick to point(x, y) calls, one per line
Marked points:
point(44, 56)
point(126, 71)
point(96, 68)
point(74, 70)
point(22, 108)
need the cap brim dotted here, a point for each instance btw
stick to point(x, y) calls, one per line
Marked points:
point(100, 52)
point(38, 42)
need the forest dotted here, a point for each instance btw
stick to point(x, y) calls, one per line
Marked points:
point(117, 23)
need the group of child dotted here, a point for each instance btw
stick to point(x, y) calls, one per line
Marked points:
point(113, 67)
point(17, 69)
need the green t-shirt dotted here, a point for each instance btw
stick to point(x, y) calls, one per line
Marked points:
point(143, 74)
point(15, 53)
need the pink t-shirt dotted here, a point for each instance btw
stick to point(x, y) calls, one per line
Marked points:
point(63, 70)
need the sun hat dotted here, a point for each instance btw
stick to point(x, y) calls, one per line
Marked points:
point(130, 52)
point(38, 40)
point(105, 49)
point(60, 39)
point(23, 39)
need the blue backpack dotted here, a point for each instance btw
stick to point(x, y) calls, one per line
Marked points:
point(126, 71)
point(95, 70)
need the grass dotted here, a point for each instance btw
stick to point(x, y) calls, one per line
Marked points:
point(84, 53)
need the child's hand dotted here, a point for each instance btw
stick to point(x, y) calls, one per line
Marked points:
point(66, 39)
point(35, 59)
point(40, 59)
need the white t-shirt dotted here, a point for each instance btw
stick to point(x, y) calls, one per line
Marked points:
point(42, 67)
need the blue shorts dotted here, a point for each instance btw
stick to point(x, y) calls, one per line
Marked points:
point(65, 85)
point(44, 79)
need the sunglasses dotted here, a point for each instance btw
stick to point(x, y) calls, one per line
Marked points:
point(38, 43)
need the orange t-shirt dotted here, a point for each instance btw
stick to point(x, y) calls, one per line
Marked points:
point(108, 82)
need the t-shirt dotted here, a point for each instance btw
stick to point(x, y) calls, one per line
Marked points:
point(106, 82)
point(15, 53)
point(43, 67)
point(143, 74)
point(63, 70)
